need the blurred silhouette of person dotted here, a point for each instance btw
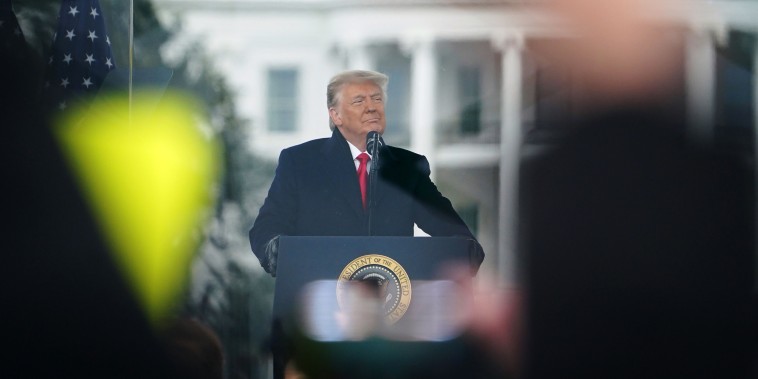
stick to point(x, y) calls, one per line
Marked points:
point(490, 314)
point(194, 349)
point(361, 314)
point(67, 312)
point(637, 242)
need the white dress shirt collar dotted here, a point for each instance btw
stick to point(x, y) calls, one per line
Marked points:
point(355, 152)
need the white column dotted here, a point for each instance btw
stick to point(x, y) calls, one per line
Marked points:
point(700, 85)
point(423, 102)
point(510, 47)
point(423, 92)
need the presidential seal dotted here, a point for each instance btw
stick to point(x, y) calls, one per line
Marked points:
point(381, 278)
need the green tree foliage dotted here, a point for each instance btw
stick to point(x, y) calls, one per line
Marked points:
point(230, 291)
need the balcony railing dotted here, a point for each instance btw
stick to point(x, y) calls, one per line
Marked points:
point(453, 132)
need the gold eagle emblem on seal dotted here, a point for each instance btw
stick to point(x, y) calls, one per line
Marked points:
point(381, 278)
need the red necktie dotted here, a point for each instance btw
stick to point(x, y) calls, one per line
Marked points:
point(363, 175)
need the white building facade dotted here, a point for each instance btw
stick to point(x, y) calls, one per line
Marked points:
point(465, 88)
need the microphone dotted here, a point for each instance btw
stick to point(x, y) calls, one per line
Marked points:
point(373, 143)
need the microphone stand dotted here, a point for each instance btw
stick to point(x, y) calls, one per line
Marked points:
point(373, 147)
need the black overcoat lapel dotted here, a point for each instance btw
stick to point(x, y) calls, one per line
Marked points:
point(340, 172)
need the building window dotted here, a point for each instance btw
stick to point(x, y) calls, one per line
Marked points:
point(282, 95)
point(392, 62)
point(470, 92)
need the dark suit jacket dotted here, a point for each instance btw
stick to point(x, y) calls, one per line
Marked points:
point(315, 193)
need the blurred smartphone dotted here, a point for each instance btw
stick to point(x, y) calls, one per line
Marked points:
point(420, 311)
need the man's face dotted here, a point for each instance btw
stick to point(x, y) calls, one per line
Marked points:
point(359, 110)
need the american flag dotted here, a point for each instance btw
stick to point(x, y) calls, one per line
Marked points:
point(81, 54)
point(11, 36)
